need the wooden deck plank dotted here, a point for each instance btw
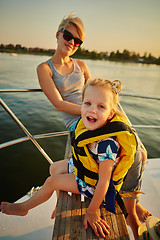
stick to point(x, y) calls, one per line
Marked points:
point(83, 211)
point(70, 216)
point(62, 229)
point(107, 217)
point(58, 217)
point(89, 231)
point(115, 228)
point(121, 222)
point(76, 230)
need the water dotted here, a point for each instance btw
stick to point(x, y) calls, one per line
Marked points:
point(39, 116)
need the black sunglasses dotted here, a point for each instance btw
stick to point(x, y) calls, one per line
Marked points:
point(68, 36)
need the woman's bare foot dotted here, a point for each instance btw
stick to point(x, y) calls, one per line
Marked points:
point(54, 213)
point(13, 209)
point(142, 213)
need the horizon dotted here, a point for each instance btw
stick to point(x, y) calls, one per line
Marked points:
point(110, 26)
point(49, 50)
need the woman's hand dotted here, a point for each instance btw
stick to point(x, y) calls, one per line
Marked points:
point(97, 223)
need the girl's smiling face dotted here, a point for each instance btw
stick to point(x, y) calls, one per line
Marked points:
point(96, 107)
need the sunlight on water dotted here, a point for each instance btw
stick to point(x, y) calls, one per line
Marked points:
point(39, 116)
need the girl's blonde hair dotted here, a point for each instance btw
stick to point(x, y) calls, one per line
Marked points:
point(114, 86)
point(76, 21)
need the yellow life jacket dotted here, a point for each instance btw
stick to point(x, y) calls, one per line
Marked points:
point(86, 168)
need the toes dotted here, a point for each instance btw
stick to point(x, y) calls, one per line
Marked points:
point(3, 204)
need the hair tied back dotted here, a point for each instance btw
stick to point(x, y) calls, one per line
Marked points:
point(71, 14)
point(116, 84)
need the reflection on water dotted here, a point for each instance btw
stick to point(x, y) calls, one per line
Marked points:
point(39, 116)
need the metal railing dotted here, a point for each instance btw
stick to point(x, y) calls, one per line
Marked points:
point(25, 130)
point(33, 138)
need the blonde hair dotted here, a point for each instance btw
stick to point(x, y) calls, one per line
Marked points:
point(114, 86)
point(76, 21)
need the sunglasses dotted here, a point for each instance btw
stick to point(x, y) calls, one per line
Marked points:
point(68, 36)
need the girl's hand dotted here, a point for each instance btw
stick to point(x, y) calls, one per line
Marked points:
point(97, 224)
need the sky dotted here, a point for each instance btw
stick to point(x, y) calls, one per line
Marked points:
point(111, 25)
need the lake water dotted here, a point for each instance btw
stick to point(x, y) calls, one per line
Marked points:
point(39, 116)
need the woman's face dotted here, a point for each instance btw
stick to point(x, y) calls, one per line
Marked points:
point(68, 47)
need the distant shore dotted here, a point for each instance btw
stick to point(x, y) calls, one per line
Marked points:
point(81, 53)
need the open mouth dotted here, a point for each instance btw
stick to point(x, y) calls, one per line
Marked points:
point(91, 119)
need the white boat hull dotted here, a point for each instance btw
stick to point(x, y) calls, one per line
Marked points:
point(38, 224)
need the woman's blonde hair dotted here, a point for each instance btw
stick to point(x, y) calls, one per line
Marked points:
point(114, 86)
point(76, 21)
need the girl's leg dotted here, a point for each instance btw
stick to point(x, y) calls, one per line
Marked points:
point(65, 182)
point(59, 167)
point(43, 194)
point(21, 209)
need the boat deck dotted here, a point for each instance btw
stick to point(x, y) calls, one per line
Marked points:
point(70, 216)
point(38, 225)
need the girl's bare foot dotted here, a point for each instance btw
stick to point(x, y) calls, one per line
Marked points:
point(142, 213)
point(13, 209)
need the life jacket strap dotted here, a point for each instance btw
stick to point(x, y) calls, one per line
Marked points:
point(121, 204)
point(84, 171)
point(119, 181)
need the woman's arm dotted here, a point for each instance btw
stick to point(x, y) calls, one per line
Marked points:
point(92, 217)
point(52, 93)
point(48, 87)
point(84, 69)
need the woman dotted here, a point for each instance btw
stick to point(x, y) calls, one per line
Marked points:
point(61, 77)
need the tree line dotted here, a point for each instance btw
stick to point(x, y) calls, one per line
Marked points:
point(125, 56)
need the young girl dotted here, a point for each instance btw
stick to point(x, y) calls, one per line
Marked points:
point(108, 145)
point(61, 77)
point(114, 141)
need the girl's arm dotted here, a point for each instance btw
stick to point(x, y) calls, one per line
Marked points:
point(48, 87)
point(92, 217)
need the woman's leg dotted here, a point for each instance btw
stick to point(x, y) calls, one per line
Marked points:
point(132, 219)
point(142, 212)
point(133, 181)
